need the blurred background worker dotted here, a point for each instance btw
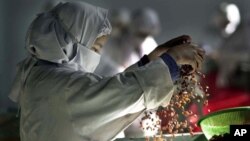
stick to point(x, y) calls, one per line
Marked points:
point(225, 60)
point(144, 27)
point(229, 80)
point(113, 51)
point(227, 51)
point(133, 37)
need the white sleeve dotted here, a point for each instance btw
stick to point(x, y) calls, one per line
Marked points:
point(133, 67)
point(95, 102)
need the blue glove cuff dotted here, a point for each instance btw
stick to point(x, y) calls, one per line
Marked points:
point(172, 66)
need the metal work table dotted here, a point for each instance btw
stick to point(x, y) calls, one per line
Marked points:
point(178, 137)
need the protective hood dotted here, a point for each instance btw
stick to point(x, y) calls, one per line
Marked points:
point(63, 35)
point(54, 36)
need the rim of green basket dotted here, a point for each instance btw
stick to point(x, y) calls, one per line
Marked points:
point(247, 108)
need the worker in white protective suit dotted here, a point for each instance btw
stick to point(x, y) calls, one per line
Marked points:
point(144, 27)
point(59, 96)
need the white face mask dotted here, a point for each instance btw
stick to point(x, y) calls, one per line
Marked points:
point(86, 59)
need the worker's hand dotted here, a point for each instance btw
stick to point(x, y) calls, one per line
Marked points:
point(164, 47)
point(188, 54)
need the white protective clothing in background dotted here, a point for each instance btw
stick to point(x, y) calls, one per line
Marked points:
point(235, 49)
point(126, 47)
point(61, 99)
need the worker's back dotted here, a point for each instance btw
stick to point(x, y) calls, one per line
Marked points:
point(44, 113)
point(61, 104)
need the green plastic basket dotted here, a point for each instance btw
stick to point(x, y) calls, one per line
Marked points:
point(217, 123)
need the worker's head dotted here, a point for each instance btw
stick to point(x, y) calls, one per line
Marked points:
point(69, 33)
point(120, 20)
point(145, 22)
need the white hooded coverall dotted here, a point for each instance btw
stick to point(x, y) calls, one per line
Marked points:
point(61, 99)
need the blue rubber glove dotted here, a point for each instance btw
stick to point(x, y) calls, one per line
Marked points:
point(169, 61)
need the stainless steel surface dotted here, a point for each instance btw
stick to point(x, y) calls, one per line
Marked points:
point(169, 137)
